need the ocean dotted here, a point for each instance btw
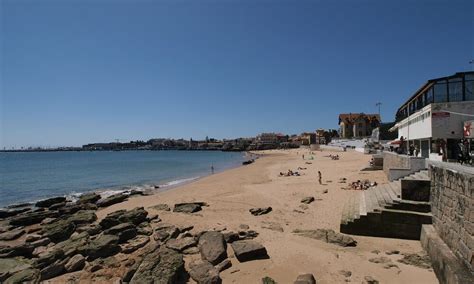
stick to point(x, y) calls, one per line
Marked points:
point(32, 176)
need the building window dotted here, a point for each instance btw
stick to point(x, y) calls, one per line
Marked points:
point(455, 90)
point(360, 124)
point(469, 87)
point(440, 92)
point(429, 96)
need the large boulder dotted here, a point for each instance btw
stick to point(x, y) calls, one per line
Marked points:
point(161, 207)
point(50, 201)
point(188, 207)
point(12, 235)
point(161, 266)
point(29, 275)
point(204, 273)
point(113, 199)
point(10, 213)
point(88, 198)
point(249, 250)
point(181, 244)
point(124, 231)
point(32, 217)
point(59, 230)
point(52, 270)
point(49, 257)
point(72, 245)
point(10, 266)
point(213, 247)
point(134, 216)
point(164, 232)
point(76, 263)
point(83, 217)
point(260, 211)
point(24, 249)
point(102, 246)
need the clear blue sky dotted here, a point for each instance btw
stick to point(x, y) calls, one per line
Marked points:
point(74, 72)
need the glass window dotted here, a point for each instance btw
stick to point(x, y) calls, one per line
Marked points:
point(440, 92)
point(469, 90)
point(429, 96)
point(469, 77)
point(455, 90)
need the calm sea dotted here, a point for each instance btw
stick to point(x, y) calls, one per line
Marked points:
point(27, 177)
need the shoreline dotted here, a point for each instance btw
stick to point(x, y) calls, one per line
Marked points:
point(148, 188)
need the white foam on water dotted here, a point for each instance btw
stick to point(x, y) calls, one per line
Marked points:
point(179, 181)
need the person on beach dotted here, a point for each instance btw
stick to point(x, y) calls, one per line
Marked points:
point(212, 169)
point(320, 178)
point(303, 156)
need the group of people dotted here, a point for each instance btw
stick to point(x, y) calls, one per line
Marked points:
point(334, 157)
point(290, 173)
point(361, 185)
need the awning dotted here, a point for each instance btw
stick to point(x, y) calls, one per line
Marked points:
point(395, 142)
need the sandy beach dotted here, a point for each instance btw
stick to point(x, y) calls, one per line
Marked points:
point(232, 193)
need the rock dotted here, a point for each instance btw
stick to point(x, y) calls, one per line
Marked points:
point(329, 236)
point(370, 280)
point(32, 238)
point(92, 230)
point(59, 230)
point(225, 264)
point(103, 246)
point(260, 211)
point(18, 250)
point(10, 266)
point(134, 216)
point(187, 207)
point(52, 271)
point(127, 277)
point(164, 232)
point(71, 246)
point(48, 257)
point(219, 228)
point(83, 217)
point(161, 207)
point(345, 273)
point(390, 265)
point(272, 226)
point(50, 201)
point(124, 231)
point(31, 218)
point(392, 252)
point(381, 259)
point(230, 237)
point(422, 261)
point(11, 213)
point(12, 235)
point(88, 198)
point(25, 276)
point(56, 206)
point(204, 272)
point(305, 279)
point(307, 200)
point(244, 227)
point(191, 250)
point(76, 263)
point(180, 244)
point(161, 266)
point(113, 199)
point(145, 230)
point(375, 251)
point(268, 280)
point(213, 247)
point(134, 244)
point(47, 221)
point(325, 191)
point(249, 250)
point(41, 242)
point(247, 235)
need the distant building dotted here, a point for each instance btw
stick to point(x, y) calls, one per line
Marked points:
point(357, 125)
point(432, 119)
point(308, 138)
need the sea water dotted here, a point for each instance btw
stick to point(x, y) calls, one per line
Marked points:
point(31, 176)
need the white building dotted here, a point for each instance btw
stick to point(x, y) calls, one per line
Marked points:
point(433, 118)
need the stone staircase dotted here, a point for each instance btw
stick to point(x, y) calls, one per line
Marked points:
point(394, 210)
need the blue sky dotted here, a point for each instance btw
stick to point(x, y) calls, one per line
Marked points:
point(74, 72)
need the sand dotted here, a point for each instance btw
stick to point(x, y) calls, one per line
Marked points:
point(230, 195)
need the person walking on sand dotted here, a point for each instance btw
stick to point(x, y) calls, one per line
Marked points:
point(320, 178)
point(212, 169)
point(303, 156)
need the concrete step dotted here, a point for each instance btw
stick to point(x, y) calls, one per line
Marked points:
point(416, 206)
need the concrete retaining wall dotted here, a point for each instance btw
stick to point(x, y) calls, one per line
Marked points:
point(397, 166)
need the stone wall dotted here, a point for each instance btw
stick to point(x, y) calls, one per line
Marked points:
point(452, 206)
